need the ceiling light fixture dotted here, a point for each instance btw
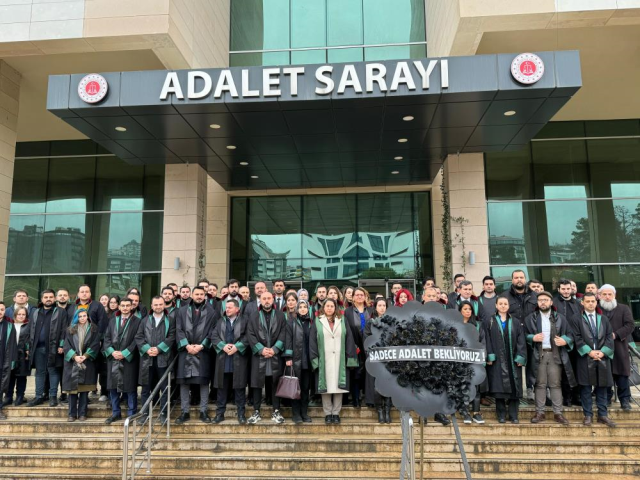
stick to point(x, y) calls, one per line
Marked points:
point(215, 126)
point(121, 129)
point(395, 172)
point(509, 113)
point(402, 140)
point(244, 164)
point(254, 176)
point(231, 147)
point(408, 118)
point(398, 158)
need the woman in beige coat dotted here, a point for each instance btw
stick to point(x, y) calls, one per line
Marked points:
point(332, 350)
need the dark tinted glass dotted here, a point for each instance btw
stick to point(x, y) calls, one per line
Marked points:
point(509, 175)
point(559, 164)
point(259, 24)
point(71, 184)
point(67, 243)
point(118, 186)
point(29, 185)
point(614, 167)
point(24, 248)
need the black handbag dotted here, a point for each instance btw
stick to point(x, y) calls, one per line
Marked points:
point(288, 386)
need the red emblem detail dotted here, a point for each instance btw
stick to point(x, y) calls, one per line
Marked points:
point(93, 88)
point(527, 68)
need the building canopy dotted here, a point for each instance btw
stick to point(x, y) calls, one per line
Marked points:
point(332, 125)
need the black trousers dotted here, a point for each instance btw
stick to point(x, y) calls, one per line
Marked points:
point(223, 395)
point(257, 394)
point(17, 383)
point(155, 374)
point(78, 404)
point(101, 364)
point(501, 408)
point(300, 407)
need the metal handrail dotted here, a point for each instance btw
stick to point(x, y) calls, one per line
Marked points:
point(148, 439)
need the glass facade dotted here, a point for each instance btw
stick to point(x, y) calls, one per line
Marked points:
point(568, 205)
point(81, 215)
point(331, 238)
point(288, 32)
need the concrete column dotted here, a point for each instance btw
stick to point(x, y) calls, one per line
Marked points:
point(218, 225)
point(184, 229)
point(9, 102)
point(464, 182)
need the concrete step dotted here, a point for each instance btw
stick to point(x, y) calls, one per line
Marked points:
point(364, 413)
point(334, 443)
point(490, 430)
point(310, 461)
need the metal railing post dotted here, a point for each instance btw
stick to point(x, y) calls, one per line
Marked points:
point(133, 455)
point(125, 450)
point(169, 406)
point(150, 420)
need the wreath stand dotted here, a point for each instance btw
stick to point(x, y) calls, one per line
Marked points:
point(407, 466)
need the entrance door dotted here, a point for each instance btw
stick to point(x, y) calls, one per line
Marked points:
point(290, 284)
point(383, 287)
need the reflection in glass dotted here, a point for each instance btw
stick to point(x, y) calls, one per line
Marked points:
point(568, 232)
point(508, 244)
point(71, 185)
point(259, 24)
point(24, 248)
point(66, 244)
point(29, 185)
point(344, 22)
point(118, 186)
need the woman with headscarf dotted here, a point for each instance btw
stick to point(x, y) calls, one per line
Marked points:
point(296, 355)
point(357, 316)
point(372, 397)
point(80, 374)
point(332, 352)
point(468, 316)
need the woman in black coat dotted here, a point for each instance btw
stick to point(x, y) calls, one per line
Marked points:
point(357, 316)
point(468, 316)
point(296, 355)
point(19, 374)
point(372, 397)
point(80, 374)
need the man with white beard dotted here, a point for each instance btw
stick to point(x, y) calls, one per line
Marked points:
point(622, 325)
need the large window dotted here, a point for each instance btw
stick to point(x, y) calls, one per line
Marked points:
point(331, 237)
point(568, 205)
point(283, 32)
point(81, 215)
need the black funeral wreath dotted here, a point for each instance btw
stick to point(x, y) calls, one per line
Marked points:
point(427, 387)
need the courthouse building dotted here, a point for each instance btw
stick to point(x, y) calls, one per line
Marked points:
point(313, 140)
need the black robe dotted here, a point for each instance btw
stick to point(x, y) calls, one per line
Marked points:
point(352, 316)
point(622, 324)
point(590, 371)
point(195, 369)
point(505, 350)
point(8, 353)
point(72, 374)
point(482, 338)
point(240, 358)
point(533, 326)
point(476, 304)
point(122, 374)
point(23, 365)
point(259, 337)
point(163, 337)
point(296, 344)
point(57, 329)
point(370, 392)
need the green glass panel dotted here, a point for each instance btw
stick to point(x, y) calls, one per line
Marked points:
point(512, 233)
point(614, 167)
point(275, 230)
point(344, 22)
point(612, 128)
point(71, 184)
point(393, 22)
point(259, 59)
point(503, 275)
point(308, 57)
point(626, 279)
point(569, 232)
point(24, 248)
point(259, 24)
point(308, 23)
point(400, 52)
point(561, 163)
point(118, 186)
point(618, 229)
point(29, 185)
point(344, 55)
point(562, 130)
point(508, 175)
point(67, 243)
point(30, 284)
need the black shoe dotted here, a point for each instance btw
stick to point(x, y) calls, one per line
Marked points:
point(515, 421)
point(626, 406)
point(328, 420)
point(441, 418)
point(7, 401)
point(162, 419)
point(64, 398)
point(204, 417)
point(387, 411)
point(218, 419)
point(566, 403)
point(381, 418)
point(242, 420)
point(184, 417)
point(306, 418)
point(501, 420)
point(53, 402)
point(113, 418)
point(35, 402)
point(19, 401)
point(336, 419)
point(45, 397)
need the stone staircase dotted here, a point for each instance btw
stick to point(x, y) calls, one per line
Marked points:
point(39, 443)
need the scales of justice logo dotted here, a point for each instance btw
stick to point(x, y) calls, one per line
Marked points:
point(93, 88)
point(527, 68)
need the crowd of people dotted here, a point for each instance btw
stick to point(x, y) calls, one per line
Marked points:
point(232, 346)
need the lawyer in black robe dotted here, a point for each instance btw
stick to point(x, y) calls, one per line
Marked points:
point(8, 354)
point(78, 379)
point(122, 373)
point(357, 319)
point(298, 332)
point(506, 353)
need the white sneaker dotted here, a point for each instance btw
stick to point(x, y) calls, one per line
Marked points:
point(103, 398)
point(276, 417)
point(255, 418)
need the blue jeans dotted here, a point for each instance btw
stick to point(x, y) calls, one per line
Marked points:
point(41, 361)
point(587, 401)
point(132, 402)
point(624, 391)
